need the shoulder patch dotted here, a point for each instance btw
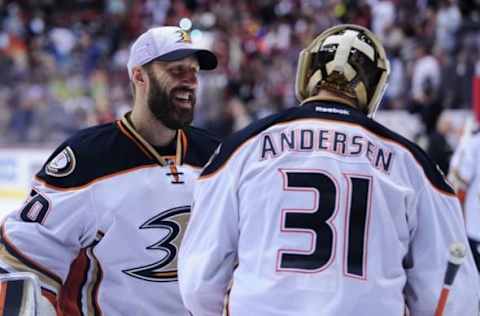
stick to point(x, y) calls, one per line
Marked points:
point(90, 154)
point(63, 164)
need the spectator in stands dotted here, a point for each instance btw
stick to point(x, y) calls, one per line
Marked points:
point(383, 17)
point(426, 76)
point(448, 22)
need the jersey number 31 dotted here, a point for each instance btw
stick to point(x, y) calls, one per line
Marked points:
point(318, 222)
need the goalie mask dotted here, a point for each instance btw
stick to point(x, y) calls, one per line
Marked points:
point(347, 60)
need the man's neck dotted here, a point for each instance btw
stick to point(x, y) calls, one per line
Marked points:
point(150, 128)
point(325, 95)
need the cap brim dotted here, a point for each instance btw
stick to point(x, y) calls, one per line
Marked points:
point(206, 59)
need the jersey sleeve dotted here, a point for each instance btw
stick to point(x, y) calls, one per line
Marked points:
point(208, 251)
point(435, 224)
point(46, 234)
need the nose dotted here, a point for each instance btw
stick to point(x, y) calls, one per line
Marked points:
point(191, 79)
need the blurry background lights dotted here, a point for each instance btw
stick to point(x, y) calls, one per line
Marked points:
point(196, 35)
point(186, 24)
point(37, 25)
point(4, 40)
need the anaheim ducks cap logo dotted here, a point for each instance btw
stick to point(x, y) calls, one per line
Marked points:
point(184, 37)
point(62, 165)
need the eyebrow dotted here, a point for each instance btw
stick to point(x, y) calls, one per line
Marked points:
point(189, 65)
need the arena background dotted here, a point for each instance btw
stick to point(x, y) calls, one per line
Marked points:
point(63, 67)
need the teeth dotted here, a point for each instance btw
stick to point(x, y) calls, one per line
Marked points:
point(183, 96)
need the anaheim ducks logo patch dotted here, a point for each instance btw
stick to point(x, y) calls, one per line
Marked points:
point(174, 221)
point(184, 37)
point(62, 165)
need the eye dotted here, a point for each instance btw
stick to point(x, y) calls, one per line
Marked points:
point(182, 69)
point(177, 70)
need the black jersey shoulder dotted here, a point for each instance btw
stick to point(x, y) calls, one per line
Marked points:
point(230, 144)
point(96, 152)
point(200, 146)
point(327, 111)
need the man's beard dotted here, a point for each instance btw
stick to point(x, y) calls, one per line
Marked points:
point(161, 104)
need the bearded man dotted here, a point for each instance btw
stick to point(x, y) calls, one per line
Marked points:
point(103, 223)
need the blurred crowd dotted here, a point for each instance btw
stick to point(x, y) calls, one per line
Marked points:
point(63, 63)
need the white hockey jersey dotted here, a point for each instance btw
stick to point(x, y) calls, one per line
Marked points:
point(320, 211)
point(104, 221)
point(465, 170)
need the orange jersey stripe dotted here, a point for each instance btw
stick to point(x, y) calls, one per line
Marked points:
point(3, 294)
point(71, 293)
point(52, 298)
point(140, 145)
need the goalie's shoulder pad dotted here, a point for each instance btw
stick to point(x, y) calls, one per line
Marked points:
point(90, 154)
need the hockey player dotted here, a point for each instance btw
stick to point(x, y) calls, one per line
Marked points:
point(102, 226)
point(320, 210)
point(465, 174)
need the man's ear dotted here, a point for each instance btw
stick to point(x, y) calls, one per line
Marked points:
point(138, 76)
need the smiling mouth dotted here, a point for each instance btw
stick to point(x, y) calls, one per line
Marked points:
point(183, 98)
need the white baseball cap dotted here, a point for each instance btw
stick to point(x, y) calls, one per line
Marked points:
point(167, 43)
